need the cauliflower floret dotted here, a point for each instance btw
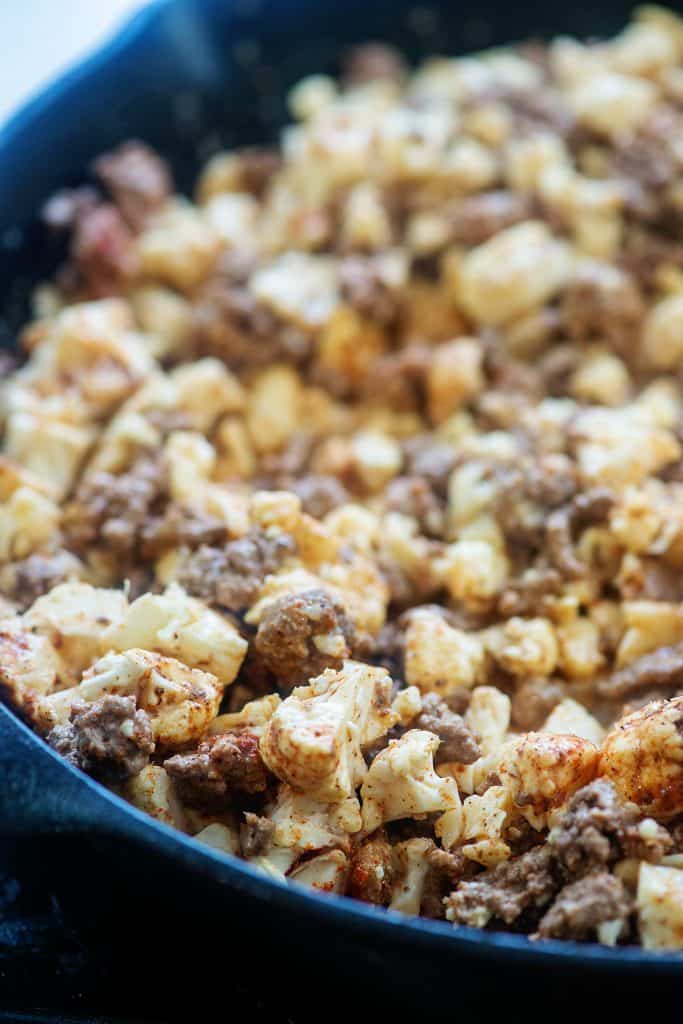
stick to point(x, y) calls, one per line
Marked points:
point(75, 617)
point(401, 782)
point(660, 906)
point(180, 701)
point(48, 448)
point(542, 770)
point(30, 666)
point(439, 657)
point(220, 837)
point(484, 819)
point(182, 627)
point(28, 521)
point(303, 824)
point(572, 718)
point(152, 791)
point(643, 757)
point(253, 716)
point(528, 648)
point(325, 873)
point(313, 740)
point(411, 866)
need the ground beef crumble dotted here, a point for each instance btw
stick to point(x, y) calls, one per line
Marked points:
point(222, 767)
point(231, 576)
point(458, 743)
point(371, 871)
point(108, 738)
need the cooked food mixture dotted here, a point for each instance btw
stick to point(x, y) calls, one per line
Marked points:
point(341, 519)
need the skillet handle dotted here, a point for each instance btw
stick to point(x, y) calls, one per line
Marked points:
point(39, 793)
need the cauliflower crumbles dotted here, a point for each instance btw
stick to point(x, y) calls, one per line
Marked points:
point(341, 506)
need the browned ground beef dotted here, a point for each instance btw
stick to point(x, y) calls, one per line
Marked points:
point(458, 743)
point(108, 738)
point(256, 835)
point(581, 906)
point(286, 637)
point(137, 179)
point(662, 668)
point(231, 576)
point(221, 767)
point(371, 871)
point(506, 891)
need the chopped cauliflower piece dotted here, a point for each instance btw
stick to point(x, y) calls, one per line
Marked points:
point(660, 906)
point(75, 617)
point(313, 740)
point(401, 782)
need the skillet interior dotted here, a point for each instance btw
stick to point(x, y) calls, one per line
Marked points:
point(189, 77)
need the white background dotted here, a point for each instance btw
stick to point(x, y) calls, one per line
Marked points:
point(40, 38)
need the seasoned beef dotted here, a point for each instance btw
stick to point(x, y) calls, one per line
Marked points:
point(108, 738)
point(232, 576)
point(431, 459)
point(412, 496)
point(320, 494)
point(180, 527)
point(585, 509)
point(256, 835)
point(102, 251)
point(660, 668)
point(527, 595)
point(581, 906)
point(505, 892)
point(533, 701)
point(365, 287)
point(300, 635)
point(609, 307)
point(458, 742)
point(219, 769)
point(27, 580)
point(596, 829)
point(371, 871)
point(113, 510)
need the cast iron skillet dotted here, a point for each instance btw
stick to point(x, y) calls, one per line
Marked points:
point(189, 76)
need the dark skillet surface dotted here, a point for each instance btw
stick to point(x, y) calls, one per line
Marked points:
point(189, 77)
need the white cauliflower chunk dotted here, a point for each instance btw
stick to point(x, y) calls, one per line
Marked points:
point(439, 657)
point(180, 701)
point(401, 782)
point(313, 740)
point(303, 824)
point(152, 792)
point(30, 666)
point(660, 907)
point(542, 770)
point(253, 716)
point(220, 837)
point(411, 866)
point(326, 873)
point(571, 717)
point(75, 617)
point(28, 521)
point(182, 627)
point(643, 757)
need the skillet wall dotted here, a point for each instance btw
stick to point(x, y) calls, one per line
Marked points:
point(208, 73)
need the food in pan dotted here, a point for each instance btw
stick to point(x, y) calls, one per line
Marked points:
point(341, 507)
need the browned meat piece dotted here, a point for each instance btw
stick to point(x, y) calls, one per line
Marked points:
point(372, 62)
point(289, 463)
point(505, 892)
point(365, 288)
point(287, 634)
point(660, 668)
point(583, 905)
point(24, 582)
point(477, 218)
point(412, 496)
point(232, 576)
point(596, 829)
point(584, 510)
point(528, 594)
point(644, 251)
point(112, 510)
point(445, 871)
point(556, 367)
point(230, 324)
point(432, 459)
point(458, 743)
point(256, 835)
point(320, 494)
point(527, 495)
point(108, 739)
point(533, 702)
point(220, 768)
point(371, 872)
point(180, 527)
point(137, 179)
point(400, 377)
point(103, 251)
point(598, 306)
